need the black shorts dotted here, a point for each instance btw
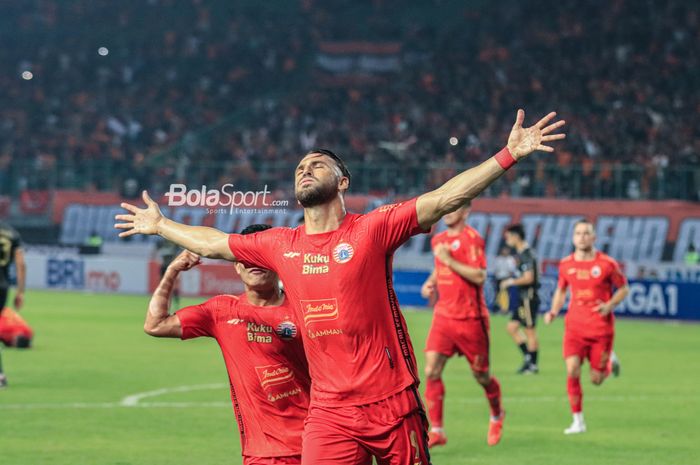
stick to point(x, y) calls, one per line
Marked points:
point(526, 311)
point(3, 297)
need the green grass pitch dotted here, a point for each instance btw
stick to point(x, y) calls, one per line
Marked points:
point(64, 405)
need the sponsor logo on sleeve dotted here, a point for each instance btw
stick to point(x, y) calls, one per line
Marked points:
point(386, 208)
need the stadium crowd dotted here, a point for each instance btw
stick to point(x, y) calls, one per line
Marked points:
point(187, 93)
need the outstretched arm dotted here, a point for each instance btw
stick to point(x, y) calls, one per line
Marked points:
point(204, 241)
point(465, 186)
point(159, 322)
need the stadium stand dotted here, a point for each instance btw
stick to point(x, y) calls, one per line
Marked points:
point(204, 98)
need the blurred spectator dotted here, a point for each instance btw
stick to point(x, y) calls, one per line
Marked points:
point(692, 257)
point(92, 244)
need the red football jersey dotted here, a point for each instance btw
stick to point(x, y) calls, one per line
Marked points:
point(267, 369)
point(457, 297)
point(340, 282)
point(592, 282)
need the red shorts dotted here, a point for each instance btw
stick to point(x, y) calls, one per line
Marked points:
point(468, 337)
point(394, 430)
point(292, 460)
point(595, 349)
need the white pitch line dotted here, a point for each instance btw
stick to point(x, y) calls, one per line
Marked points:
point(185, 405)
point(131, 401)
point(134, 399)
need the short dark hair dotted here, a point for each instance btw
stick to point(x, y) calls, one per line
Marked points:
point(253, 228)
point(584, 221)
point(338, 161)
point(517, 229)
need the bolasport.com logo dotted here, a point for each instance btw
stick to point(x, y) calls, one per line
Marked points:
point(223, 200)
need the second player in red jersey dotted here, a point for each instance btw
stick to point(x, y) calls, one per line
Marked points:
point(264, 356)
point(460, 320)
point(597, 286)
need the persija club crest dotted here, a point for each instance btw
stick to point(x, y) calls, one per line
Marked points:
point(595, 271)
point(343, 252)
point(286, 330)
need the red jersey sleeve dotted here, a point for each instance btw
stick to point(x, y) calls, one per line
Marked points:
point(617, 278)
point(562, 282)
point(392, 225)
point(256, 249)
point(198, 320)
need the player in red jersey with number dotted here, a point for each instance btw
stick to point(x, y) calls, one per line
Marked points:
point(264, 355)
point(460, 321)
point(597, 287)
point(336, 269)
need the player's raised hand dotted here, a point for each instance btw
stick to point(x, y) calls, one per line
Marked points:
point(185, 261)
point(140, 220)
point(523, 141)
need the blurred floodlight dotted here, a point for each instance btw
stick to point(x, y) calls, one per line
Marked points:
point(454, 141)
point(27, 75)
point(103, 51)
